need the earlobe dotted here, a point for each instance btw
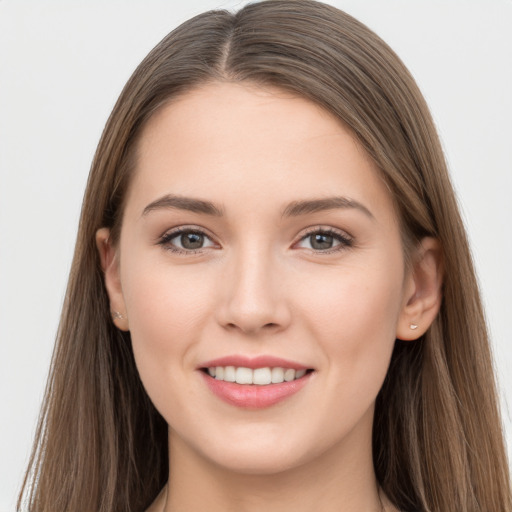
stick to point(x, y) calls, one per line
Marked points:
point(423, 290)
point(110, 264)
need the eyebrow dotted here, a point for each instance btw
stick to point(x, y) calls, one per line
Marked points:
point(297, 208)
point(184, 203)
point(293, 209)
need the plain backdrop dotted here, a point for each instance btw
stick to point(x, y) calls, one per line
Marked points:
point(62, 66)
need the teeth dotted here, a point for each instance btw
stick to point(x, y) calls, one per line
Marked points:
point(289, 375)
point(277, 375)
point(243, 375)
point(230, 374)
point(259, 376)
point(262, 376)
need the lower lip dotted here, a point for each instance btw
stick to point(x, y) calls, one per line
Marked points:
point(254, 396)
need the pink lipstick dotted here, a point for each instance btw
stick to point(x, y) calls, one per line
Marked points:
point(254, 383)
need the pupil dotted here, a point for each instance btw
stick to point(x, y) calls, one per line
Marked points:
point(320, 241)
point(192, 241)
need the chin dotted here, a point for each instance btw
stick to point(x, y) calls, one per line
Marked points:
point(256, 462)
point(263, 451)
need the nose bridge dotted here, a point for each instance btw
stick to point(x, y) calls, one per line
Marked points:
point(253, 298)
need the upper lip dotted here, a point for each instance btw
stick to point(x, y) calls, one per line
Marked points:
point(262, 361)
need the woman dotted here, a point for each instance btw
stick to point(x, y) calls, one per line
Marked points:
point(272, 302)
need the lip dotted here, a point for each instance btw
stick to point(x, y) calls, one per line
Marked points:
point(252, 396)
point(262, 361)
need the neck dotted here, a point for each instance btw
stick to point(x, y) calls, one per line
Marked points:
point(340, 480)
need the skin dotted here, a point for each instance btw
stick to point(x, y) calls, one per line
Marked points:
point(259, 285)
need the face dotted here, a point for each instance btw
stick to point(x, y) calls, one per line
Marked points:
point(260, 245)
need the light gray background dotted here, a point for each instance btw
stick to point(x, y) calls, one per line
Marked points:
point(63, 64)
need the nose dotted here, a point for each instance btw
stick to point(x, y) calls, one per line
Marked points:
point(253, 297)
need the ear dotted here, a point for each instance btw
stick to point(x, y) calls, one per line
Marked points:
point(110, 265)
point(423, 290)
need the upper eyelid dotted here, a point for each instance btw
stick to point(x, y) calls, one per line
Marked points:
point(167, 236)
point(308, 230)
point(173, 232)
point(184, 229)
point(323, 228)
point(326, 229)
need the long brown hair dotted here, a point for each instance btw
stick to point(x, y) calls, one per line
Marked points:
point(437, 442)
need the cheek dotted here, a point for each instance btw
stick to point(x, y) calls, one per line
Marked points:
point(354, 316)
point(166, 307)
point(354, 326)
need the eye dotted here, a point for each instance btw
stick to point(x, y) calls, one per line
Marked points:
point(186, 241)
point(325, 240)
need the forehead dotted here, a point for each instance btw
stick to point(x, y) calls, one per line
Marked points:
point(226, 141)
point(235, 118)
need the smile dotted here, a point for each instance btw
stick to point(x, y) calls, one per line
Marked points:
point(257, 376)
point(254, 383)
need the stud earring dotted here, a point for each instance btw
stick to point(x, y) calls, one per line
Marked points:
point(117, 316)
point(413, 326)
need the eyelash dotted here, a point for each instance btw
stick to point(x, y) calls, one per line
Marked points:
point(344, 240)
point(165, 240)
